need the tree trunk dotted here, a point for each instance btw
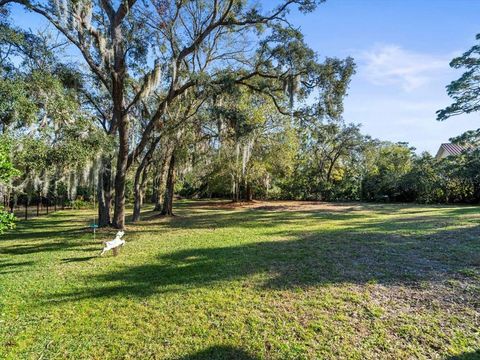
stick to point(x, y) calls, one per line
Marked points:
point(168, 202)
point(235, 189)
point(155, 185)
point(104, 191)
point(141, 179)
point(143, 184)
point(119, 120)
point(139, 186)
point(162, 180)
point(248, 193)
point(12, 201)
point(137, 202)
point(121, 175)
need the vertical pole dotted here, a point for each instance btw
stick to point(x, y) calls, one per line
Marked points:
point(26, 208)
point(38, 205)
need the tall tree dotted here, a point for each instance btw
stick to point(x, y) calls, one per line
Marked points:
point(189, 42)
point(465, 91)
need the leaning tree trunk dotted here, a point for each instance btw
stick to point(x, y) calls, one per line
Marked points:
point(143, 184)
point(141, 179)
point(168, 202)
point(139, 187)
point(104, 191)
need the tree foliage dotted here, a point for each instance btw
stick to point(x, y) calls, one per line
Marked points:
point(7, 172)
point(465, 90)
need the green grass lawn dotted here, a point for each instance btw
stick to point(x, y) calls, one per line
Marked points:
point(276, 281)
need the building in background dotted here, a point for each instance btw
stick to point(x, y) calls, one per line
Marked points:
point(449, 149)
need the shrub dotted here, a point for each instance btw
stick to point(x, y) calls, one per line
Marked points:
point(7, 221)
point(79, 204)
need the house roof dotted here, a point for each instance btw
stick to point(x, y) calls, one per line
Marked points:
point(451, 149)
point(454, 149)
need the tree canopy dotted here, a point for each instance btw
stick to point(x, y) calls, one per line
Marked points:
point(465, 90)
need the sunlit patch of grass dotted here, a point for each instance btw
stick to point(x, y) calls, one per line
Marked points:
point(270, 281)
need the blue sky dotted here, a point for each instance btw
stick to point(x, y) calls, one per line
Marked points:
point(402, 49)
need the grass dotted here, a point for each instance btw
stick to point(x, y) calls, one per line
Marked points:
point(270, 281)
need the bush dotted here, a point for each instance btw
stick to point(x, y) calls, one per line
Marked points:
point(7, 221)
point(79, 204)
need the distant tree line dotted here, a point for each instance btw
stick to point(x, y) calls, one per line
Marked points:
point(332, 162)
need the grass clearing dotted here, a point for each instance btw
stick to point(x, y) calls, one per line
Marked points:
point(266, 281)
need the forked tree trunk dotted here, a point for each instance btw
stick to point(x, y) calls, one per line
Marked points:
point(168, 202)
point(104, 191)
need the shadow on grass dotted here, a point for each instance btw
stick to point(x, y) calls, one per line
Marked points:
point(56, 232)
point(69, 241)
point(7, 267)
point(79, 259)
point(475, 355)
point(205, 215)
point(220, 353)
point(317, 258)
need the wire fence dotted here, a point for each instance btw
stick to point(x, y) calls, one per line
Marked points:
point(35, 208)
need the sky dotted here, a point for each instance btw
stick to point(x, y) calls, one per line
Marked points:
point(402, 49)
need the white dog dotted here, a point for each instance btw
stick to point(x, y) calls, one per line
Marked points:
point(114, 244)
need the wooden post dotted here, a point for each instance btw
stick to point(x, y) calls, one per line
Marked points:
point(38, 204)
point(26, 208)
